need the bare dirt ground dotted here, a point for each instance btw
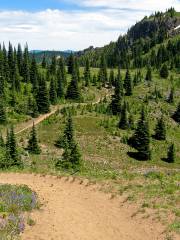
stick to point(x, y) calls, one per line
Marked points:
point(72, 210)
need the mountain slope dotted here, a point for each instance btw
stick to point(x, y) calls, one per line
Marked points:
point(139, 40)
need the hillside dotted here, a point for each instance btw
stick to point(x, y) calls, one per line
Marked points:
point(117, 124)
point(141, 39)
point(49, 54)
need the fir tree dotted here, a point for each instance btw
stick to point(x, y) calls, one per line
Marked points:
point(170, 98)
point(160, 130)
point(176, 115)
point(123, 123)
point(94, 80)
point(33, 146)
point(53, 65)
point(44, 64)
point(141, 138)
point(149, 74)
point(71, 64)
point(171, 154)
point(34, 74)
point(12, 148)
point(2, 143)
point(71, 157)
point(19, 59)
point(60, 86)
point(117, 97)
point(111, 78)
point(62, 71)
point(103, 77)
point(73, 91)
point(16, 76)
point(42, 97)
point(3, 119)
point(164, 71)
point(128, 84)
point(52, 92)
point(87, 73)
point(131, 122)
point(25, 67)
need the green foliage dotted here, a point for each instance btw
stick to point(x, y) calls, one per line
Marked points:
point(33, 146)
point(42, 97)
point(171, 154)
point(141, 138)
point(164, 73)
point(3, 118)
point(128, 84)
point(160, 130)
point(71, 158)
point(176, 115)
point(123, 123)
point(115, 105)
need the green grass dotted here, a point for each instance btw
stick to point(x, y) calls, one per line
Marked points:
point(151, 184)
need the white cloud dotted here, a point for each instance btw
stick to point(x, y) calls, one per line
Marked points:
point(55, 29)
point(59, 29)
point(149, 5)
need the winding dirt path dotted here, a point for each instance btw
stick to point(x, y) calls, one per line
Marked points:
point(27, 125)
point(74, 211)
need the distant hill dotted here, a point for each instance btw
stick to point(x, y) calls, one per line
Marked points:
point(39, 54)
point(133, 47)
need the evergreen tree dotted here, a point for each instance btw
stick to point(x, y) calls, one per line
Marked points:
point(25, 67)
point(2, 80)
point(170, 98)
point(60, 86)
point(171, 154)
point(160, 130)
point(2, 143)
point(103, 76)
point(111, 78)
point(141, 138)
point(62, 71)
point(52, 92)
point(53, 65)
point(33, 146)
point(42, 97)
point(128, 84)
point(10, 60)
point(94, 80)
point(35, 112)
point(73, 91)
point(131, 122)
point(15, 75)
point(117, 97)
point(123, 123)
point(71, 157)
point(71, 64)
point(149, 74)
point(176, 115)
point(34, 74)
point(87, 73)
point(12, 148)
point(19, 59)
point(3, 119)
point(44, 64)
point(164, 73)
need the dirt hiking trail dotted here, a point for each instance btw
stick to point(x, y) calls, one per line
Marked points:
point(75, 210)
point(27, 125)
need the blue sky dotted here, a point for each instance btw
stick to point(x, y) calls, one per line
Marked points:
point(37, 5)
point(72, 24)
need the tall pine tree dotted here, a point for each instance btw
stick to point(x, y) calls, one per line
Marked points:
point(141, 138)
point(33, 146)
